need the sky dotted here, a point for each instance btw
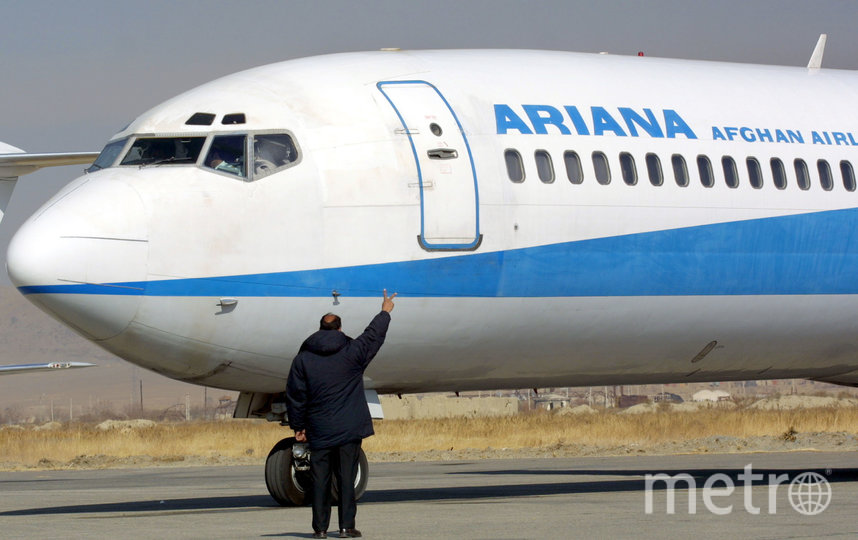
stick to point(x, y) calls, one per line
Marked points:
point(75, 73)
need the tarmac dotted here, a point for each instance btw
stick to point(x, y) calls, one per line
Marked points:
point(585, 497)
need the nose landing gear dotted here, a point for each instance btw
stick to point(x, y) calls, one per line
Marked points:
point(288, 478)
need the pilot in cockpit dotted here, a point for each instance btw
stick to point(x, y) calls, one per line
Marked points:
point(272, 152)
point(217, 163)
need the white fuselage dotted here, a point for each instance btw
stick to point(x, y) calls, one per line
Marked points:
point(399, 178)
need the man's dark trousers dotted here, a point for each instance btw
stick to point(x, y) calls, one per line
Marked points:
point(343, 462)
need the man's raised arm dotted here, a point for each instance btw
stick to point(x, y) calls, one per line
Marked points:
point(372, 338)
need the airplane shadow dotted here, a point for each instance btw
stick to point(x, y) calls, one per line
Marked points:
point(631, 480)
point(238, 503)
point(634, 481)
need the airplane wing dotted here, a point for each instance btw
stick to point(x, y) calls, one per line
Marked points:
point(14, 162)
point(17, 164)
point(52, 366)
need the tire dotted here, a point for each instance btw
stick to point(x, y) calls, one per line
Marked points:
point(361, 479)
point(286, 485)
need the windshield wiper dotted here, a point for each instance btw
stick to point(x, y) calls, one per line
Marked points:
point(171, 159)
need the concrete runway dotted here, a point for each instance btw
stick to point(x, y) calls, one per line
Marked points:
point(559, 498)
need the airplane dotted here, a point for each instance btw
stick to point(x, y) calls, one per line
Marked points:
point(547, 219)
point(50, 366)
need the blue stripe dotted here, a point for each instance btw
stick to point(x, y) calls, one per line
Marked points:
point(804, 254)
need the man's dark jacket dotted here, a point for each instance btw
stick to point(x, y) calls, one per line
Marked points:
point(324, 392)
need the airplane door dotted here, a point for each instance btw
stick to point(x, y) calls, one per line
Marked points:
point(447, 178)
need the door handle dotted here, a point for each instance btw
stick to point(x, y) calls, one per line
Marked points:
point(443, 153)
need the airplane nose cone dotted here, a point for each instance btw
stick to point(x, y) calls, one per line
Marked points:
point(83, 256)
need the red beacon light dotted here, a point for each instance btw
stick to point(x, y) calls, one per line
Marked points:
point(640, 53)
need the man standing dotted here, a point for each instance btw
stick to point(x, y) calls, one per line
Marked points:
point(327, 408)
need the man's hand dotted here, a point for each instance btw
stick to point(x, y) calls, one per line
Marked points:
point(387, 304)
point(301, 436)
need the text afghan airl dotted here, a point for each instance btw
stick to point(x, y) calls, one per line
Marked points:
point(625, 122)
point(832, 138)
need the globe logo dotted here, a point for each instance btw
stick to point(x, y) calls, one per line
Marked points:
point(809, 493)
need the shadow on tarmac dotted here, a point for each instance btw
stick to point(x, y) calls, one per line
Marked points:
point(634, 481)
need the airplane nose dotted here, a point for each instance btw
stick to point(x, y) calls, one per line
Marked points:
point(83, 256)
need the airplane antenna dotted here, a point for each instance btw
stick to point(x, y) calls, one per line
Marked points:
point(816, 57)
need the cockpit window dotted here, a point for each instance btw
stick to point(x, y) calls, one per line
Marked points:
point(249, 156)
point(164, 151)
point(234, 118)
point(200, 119)
point(226, 154)
point(272, 153)
point(108, 156)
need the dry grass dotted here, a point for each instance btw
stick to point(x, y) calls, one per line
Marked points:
point(604, 429)
point(243, 439)
point(163, 442)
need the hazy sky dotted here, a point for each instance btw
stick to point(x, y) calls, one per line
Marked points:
point(74, 73)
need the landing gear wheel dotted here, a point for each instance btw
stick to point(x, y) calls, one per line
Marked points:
point(361, 479)
point(288, 486)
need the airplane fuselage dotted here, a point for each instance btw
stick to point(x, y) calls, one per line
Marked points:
point(547, 219)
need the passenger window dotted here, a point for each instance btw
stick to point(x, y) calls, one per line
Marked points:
point(544, 167)
point(226, 154)
point(514, 166)
point(627, 167)
point(164, 151)
point(272, 153)
point(603, 170)
point(755, 172)
point(573, 167)
point(704, 167)
point(653, 169)
point(825, 178)
point(848, 175)
point(778, 173)
point(802, 176)
point(680, 170)
point(731, 175)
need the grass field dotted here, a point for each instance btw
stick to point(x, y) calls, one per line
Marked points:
point(81, 444)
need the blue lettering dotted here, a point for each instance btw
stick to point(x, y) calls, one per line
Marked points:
point(839, 138)
point(603, 121)
point(851, 140)
point(506, 119)
point(577, 120)
point(539, 120)
point(539, 117)
point(717, 135)
point(747, 134)
point(827, 137)
point(650, 124)
point(731, 132)
point(780, 137)
point(795, 136)
point(817, 139)
point(764, 135)
point(675, 125)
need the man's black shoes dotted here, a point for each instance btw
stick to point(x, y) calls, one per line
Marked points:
point(350, 533)
point(322, 534)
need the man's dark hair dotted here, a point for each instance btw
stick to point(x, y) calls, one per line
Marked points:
point(330, 322)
